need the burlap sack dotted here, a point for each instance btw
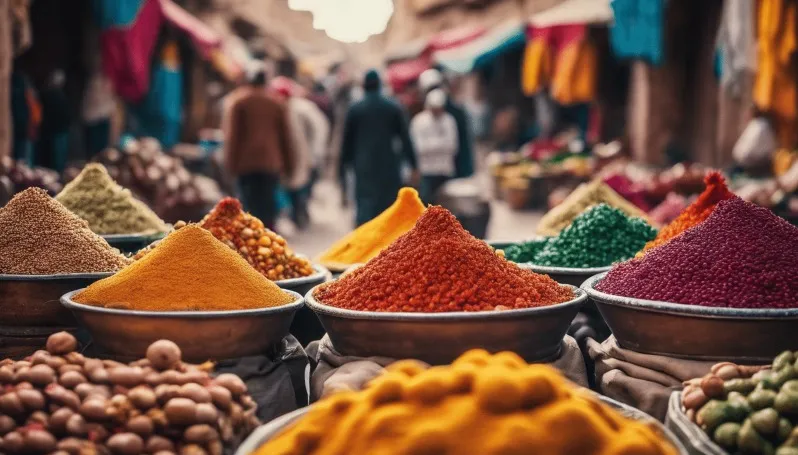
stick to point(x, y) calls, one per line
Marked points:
point(334, 372)
point(643, 381)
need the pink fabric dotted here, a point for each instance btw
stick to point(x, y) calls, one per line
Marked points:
point(126, 53)
point(203, 37)
point(558, 36)
point(402, 73)
point(454, 37)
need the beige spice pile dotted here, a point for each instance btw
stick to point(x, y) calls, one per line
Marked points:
point(39, 236)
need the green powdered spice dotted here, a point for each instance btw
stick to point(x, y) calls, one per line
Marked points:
point(600, 236)
point(106, 206)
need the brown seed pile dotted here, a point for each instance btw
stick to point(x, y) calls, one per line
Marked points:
point(39, 236)
point(58, 401)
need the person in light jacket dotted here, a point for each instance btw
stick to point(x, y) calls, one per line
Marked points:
point(434, 134)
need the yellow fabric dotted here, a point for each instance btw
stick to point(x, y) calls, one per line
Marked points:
point(575, 75)
point(536, 70)
point(783, 160)
point(776, 84)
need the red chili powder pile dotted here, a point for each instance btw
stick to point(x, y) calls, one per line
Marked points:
point(742, 256)
point(715, 191)
point(436, 267)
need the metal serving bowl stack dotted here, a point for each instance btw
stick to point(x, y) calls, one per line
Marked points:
point(201, 335)
point(306, 326)
point(31, 311)
point(132, 243)
point(439, 338)
point(267, 432)
point(696, 332)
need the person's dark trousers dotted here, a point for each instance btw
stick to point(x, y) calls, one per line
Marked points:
point(430, 184)
point(97, 136)
point(299, 207)
point(258, 195)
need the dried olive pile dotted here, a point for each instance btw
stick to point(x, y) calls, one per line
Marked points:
point(59, 402)
point(749, 415)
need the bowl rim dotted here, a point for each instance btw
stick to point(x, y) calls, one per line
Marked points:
point(299, 301)
point(658, 306)
point(56, 276)
point(563, 270)
point(134, 237)
point(320, 273)
point(580, 297)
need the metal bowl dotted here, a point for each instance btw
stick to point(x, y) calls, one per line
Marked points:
point(438, 338)
point(566, 275)
point(267, 432)
point(132, 243)
point(696, 332)
point(30, 302)
point(201, 335)
point(306, 327)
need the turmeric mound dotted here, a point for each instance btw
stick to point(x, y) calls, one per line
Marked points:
point(582, 198)
point(366, 242)
point(480, 404)
point(695, 214)
point(189, 271)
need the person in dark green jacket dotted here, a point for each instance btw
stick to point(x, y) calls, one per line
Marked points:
point(375, 142)
point(432, 79)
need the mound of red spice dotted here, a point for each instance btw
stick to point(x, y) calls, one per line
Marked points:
point(714, 192)
point(437, 267)
point(742, 256)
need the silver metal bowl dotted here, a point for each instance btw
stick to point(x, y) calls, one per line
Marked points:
point(132, 243)
point(696, 332)
point(31, 302)
point(306, 327)
point(566, 275)
point(438, 338)
point(267, 432)
point(201, 335)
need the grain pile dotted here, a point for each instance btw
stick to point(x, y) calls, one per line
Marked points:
point(41, 237)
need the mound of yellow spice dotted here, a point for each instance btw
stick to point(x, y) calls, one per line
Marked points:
point(189, 271)
point(481, 404)
point(366, 242)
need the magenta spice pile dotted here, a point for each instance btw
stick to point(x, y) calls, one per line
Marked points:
point(742, 256)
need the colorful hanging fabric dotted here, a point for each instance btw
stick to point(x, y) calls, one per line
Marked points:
point(159, 114)
point(128, 44)
point(637, 29)
point(736, 46)
point(776, 82)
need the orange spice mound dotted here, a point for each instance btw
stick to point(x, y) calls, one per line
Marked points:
point(481, 404)
point(262, 248)
point(695, 214)
point(439, 267)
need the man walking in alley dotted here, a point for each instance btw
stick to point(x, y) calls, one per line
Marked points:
point(375, 142)
point(258, 147)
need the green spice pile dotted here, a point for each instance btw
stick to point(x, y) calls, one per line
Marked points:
point(600, 236)
point(38, 236)
point(108, 207)
point(756, 415)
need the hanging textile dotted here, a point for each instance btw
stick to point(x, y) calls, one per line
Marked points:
point(638, 29)
point(159, 114)
point(128, 42)
point(776, 83)
point(481, 50)
point(736, 44)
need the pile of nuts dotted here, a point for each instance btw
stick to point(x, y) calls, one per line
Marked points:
point(697, 392)
point(59, 402)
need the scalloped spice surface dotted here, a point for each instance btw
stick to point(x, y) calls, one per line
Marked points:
point(742, 256)
point(437, 267)
point(39, 236)
point(715, 191)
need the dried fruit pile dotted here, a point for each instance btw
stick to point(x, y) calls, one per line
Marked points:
point(439, 267)
point(39, 236)
point(58, 401)
point(481, 404)
point(753, 413)
point(262, 248)
point(742, 256)
point(600, 236)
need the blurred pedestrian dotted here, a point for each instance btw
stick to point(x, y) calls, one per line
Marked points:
point(434, 134)
point(258, 146)
point(98, 107)
point(311, 132)
point(376, 140)
point(26, 116)
point(53, 147)
point(432, 79)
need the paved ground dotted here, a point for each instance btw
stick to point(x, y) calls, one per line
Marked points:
point(331, 222)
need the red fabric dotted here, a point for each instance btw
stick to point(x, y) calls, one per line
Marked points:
point(454, 37)
point(406, 71)
point(203, 37)
point(631, 191)
point(126, 53)
point(283, 86)
point(557, 36)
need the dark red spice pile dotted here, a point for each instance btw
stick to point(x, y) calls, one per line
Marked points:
point(436, 267)
point(742, 256)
